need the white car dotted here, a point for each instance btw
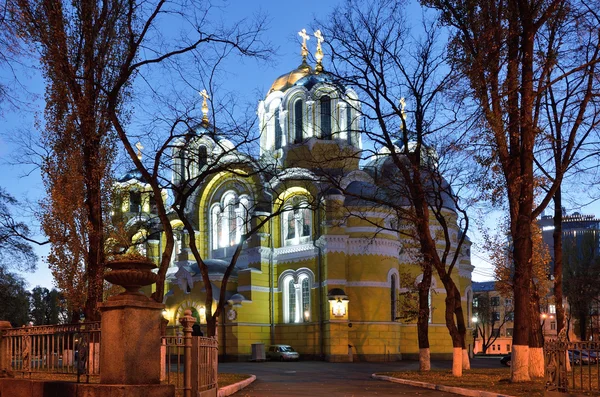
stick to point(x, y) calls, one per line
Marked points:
point(282, 353)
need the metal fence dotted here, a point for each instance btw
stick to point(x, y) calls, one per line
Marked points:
point(180, 351)
point(59, 349)
point(572, 366)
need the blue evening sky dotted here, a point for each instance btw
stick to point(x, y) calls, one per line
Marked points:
point(246, 78)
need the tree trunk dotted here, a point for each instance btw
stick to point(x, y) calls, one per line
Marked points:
point(211, 325)
point(536, 340)
point(423, 319)
point(521, 287)
point(582, 325)
point(558, 262)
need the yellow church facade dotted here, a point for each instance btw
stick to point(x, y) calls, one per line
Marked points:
point(325, 272)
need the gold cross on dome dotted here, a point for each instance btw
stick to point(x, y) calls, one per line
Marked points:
point(204, 96)
point(402, 107)
point(319, 37)
point(139, 147)
point(305, 37)
point(319, 53)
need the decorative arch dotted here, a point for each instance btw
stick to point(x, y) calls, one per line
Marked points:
point(296, 286)
point(429, 295)
point(327, 121)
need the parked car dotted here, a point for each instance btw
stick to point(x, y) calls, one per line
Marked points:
point(282, 353)
point(506, 360)
point(582, 357)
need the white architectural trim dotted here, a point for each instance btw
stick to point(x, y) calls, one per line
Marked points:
point(372, 229)
point(254, 288)
point(374, 246)
point(333, 243)
point(374, 284)
point(465, 270)
point(393, 272)
point(294, 253)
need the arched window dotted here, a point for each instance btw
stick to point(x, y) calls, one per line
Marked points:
point(228, 220)
point(177, 237)
point(393, 298)
point(135, 201)
point(202, 157)
point(292, 301)
point(278, 131)
point(305, 298)
point(297, 224)
point(298, 120)
point(349, 131)
point(325, 117)
point(182, 166)
point(296, 289)
point(429, 304)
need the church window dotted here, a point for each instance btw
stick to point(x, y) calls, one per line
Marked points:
point(296, 289)
point(152, 204)
point(135, 201)
point(296, 224)
point(202, 157)
point(305, 299)
point(298, 118)
point(349, 123)
point(177, 237)
point(394, 298)
point(182, 165)
point(326, 117)
point(429, 304)
point(278, 131)
point(292, 301)
point(228, 220)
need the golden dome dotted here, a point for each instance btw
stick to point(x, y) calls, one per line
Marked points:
point(285, 81)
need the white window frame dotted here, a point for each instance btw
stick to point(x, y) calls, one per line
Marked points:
point(219, 222)
point(296, 279)
point(299, 221)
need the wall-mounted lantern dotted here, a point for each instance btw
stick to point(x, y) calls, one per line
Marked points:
point(338, 301)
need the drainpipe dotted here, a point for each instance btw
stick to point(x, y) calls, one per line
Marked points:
point(320, 279)
point(271, 283)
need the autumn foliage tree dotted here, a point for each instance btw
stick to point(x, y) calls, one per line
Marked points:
point(78, 44)
point(501, 255)
point(509, 54)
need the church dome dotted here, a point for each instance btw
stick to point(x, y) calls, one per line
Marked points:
point(134, 175)
point(287, 80)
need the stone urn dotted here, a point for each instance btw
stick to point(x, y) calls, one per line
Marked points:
point(131, 274)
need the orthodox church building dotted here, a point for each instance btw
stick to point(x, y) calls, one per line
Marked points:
point(320, 275)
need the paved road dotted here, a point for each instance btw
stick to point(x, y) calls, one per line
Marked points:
point(317, 378)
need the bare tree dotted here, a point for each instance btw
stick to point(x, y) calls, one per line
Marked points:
point(506, 51)
point(91, 53)
point(490, 318)
point(414, 154)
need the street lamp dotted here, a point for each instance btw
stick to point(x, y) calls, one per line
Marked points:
point(474, 320)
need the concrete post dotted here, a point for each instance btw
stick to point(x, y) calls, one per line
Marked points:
point(5, 367)
point(131, 340)
point(187, 321)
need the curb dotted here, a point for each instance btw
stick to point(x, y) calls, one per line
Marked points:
point(230, 389)
point(449, 389)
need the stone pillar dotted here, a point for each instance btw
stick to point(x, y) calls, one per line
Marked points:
point(131, 340)
point(187, 321)
point(5, 367)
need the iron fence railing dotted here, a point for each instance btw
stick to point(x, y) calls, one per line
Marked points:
point(59, 349)
point(179, 351)
point(189, 362)
point(572, 366)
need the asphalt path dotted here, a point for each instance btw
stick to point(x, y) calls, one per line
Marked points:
point(318, 378)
